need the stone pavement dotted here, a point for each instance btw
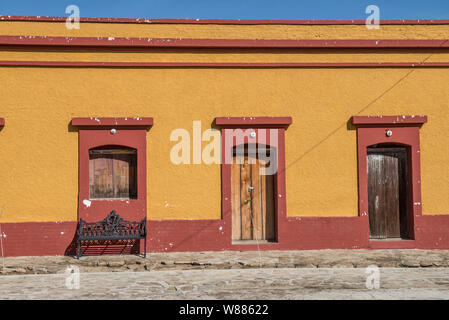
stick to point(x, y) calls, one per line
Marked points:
point(360, 258)
point(260, 284)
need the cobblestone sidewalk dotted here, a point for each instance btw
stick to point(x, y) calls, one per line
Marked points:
point(259, 284)
point(231, 260)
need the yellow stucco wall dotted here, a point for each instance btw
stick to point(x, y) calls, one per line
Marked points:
point(39, 150)
point(299, 56)
point(214, 31)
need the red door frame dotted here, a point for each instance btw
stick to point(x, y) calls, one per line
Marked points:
point(262, 127)
point(404, 131)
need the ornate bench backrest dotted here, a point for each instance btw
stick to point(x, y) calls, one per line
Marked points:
point(112, 225)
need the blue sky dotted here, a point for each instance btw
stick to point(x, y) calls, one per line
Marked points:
point(232, 9)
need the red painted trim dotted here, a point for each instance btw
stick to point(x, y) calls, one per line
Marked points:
point(2, 122)
point(110, 42)
point(298, 234)
point(400, 244)
point(372, 130)
point(432, 231)
point(115, 122)
point(260, 122)
point(37, 238)
point(95, 133)
point(389, 120)
point(225, 21)
point(77, 64)
point(187, 235)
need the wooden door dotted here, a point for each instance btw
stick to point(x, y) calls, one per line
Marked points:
point(253, 212)
point(387, 192)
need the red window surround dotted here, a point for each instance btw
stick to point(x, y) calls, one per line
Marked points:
point(405, 131)
point(96, 132)
point(259, 124)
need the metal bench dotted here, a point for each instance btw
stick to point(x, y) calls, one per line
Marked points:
point(111, 228)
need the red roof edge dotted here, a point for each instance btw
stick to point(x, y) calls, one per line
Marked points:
point(225, 21)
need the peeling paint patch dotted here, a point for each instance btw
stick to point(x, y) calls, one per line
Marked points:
point(87, 203)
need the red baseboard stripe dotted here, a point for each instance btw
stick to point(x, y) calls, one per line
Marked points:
point(305, 233)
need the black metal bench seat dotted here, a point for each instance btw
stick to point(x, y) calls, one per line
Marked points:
point(111, 228)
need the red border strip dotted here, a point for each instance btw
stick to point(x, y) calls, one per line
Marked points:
point(389, 120)
point(260, 122)
point(303, 233)
point(216, 43)
point(2, 122)
point(107, 122)
point(225, 64)
point(224, 21)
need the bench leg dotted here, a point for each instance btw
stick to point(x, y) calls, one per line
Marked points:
point(79, 249)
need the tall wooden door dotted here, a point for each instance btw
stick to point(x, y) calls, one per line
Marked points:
point(387, 192)
point(253, 212)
